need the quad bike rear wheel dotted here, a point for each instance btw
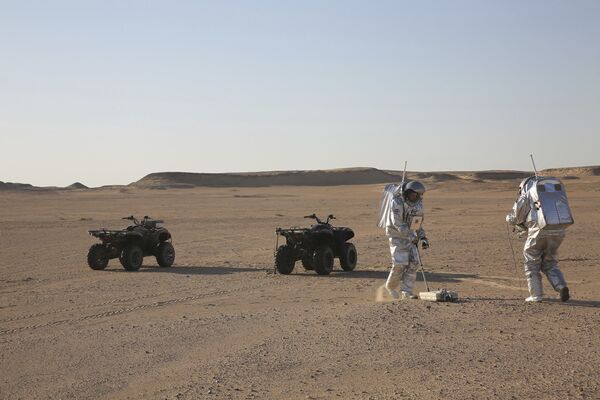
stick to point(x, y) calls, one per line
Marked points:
point(132, 257)
point(349, 257)
point(97, 257)
point(323, 260)
point(284, 260)
point(165, 254)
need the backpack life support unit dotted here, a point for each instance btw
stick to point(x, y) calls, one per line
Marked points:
point(549, 202)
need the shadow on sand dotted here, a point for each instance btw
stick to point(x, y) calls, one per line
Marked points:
point(521, 300)
point(576, 303)
point(370, 274)
point(191, 270)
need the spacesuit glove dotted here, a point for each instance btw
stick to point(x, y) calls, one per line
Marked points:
point(509, 219)
point(424, 243)
point(414, 239)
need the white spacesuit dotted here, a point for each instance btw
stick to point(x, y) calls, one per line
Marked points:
point(403, 227)
point(542, 209)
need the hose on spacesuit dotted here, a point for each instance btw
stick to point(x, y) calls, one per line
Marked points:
point(512, 249)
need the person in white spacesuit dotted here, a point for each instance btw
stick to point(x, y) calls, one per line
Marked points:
point(403, 227)
point(542, 210)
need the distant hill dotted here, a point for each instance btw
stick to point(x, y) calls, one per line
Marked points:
point(328, 177)
point(335, 177)
point(15, 186)
point(573, 171)
point(77, 185)
point(27, 187)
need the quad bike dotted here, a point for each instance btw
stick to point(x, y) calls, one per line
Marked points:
point(144, 238)
point(316, 247)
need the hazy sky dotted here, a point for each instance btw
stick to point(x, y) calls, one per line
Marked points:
point(104, 92)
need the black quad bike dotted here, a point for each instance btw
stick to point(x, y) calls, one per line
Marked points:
point(144, 238)
point(316, 247)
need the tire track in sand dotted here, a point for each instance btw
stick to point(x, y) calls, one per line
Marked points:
point(133, 308)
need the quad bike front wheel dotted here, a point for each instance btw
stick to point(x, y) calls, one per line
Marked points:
point(307, 263)
point(132, 257)
point(165, 254)
point(323, 260)
point(97, 257)
point(284, 260)
point(349, 257)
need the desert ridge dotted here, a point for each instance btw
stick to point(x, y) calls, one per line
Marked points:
point(327, 177)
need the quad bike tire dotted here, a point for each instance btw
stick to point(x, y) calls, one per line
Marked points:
point(284, 260)
point(323, 260)
point(132, 257)
point(97, 257)
point(349, 257)
point(165, 254)
point(307, 263)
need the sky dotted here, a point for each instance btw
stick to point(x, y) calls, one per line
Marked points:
point(105, 92)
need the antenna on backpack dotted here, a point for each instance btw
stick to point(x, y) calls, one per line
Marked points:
point(534, 168)
point(403, 175)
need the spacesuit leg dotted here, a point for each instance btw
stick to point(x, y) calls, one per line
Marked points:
point(410, 275)
point(532, 252)
point(400, 258)
point(550, 263)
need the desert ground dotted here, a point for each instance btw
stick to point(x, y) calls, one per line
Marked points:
point(220, 324)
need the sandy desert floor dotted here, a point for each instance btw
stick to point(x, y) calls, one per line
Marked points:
point(220, 324)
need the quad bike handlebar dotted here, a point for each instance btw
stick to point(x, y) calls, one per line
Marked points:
point(136, 221)
point(314, 216)
point(133, 219)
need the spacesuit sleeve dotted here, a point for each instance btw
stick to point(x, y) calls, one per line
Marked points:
point(421, 234)
point(518, 214)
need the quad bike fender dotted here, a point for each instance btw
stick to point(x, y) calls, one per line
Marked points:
point(163, 236)
point(343, 235)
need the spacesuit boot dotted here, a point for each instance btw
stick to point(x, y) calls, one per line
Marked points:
point(534, 299)
point(564, 294)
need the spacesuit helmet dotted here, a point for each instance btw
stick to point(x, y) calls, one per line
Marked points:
point(416, 187)
point(526, 184)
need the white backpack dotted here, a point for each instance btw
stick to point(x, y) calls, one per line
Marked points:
point(550, 203)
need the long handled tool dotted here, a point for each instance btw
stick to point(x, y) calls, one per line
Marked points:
point(422, 269)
